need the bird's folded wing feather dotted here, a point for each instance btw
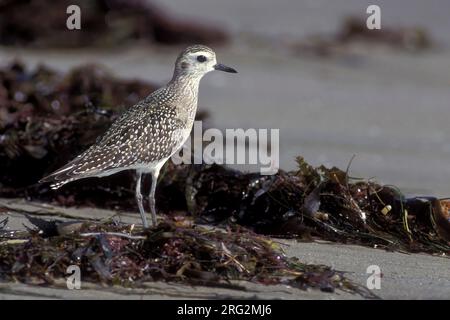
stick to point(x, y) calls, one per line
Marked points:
point(143, 134)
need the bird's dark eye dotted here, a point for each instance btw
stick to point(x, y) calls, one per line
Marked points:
point(201, 58)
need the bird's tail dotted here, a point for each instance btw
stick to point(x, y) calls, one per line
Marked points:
point(63, 175)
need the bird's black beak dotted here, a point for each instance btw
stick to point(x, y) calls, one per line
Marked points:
point(224, 68)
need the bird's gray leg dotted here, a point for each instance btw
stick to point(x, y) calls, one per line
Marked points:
point(139, 199)
point(155, 174)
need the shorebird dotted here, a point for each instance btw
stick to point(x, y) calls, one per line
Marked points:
point(147, 134)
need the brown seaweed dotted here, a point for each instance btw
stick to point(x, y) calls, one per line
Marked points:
point(103, 23)
point(175, 250)
point(353, 30)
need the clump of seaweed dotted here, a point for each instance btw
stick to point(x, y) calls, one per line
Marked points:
point(314, 203)
point(175, 250)
point(103, 23)
point(353, 31)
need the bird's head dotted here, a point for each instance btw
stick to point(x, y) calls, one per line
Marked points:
point(197, 61)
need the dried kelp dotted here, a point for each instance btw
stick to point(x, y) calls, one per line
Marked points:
point(307, 203)
point(103, 23)
point(408, 38)
point(314, 203)
point(353, 30)
point(175, 250)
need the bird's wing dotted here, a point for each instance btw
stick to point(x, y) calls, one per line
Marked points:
point(143, 134)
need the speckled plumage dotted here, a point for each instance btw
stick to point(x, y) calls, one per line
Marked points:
point(148, 133)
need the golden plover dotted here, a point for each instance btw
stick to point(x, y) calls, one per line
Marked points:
point(146, 135)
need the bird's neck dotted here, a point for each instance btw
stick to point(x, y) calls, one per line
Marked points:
point(186, 83)
point(183, 90)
